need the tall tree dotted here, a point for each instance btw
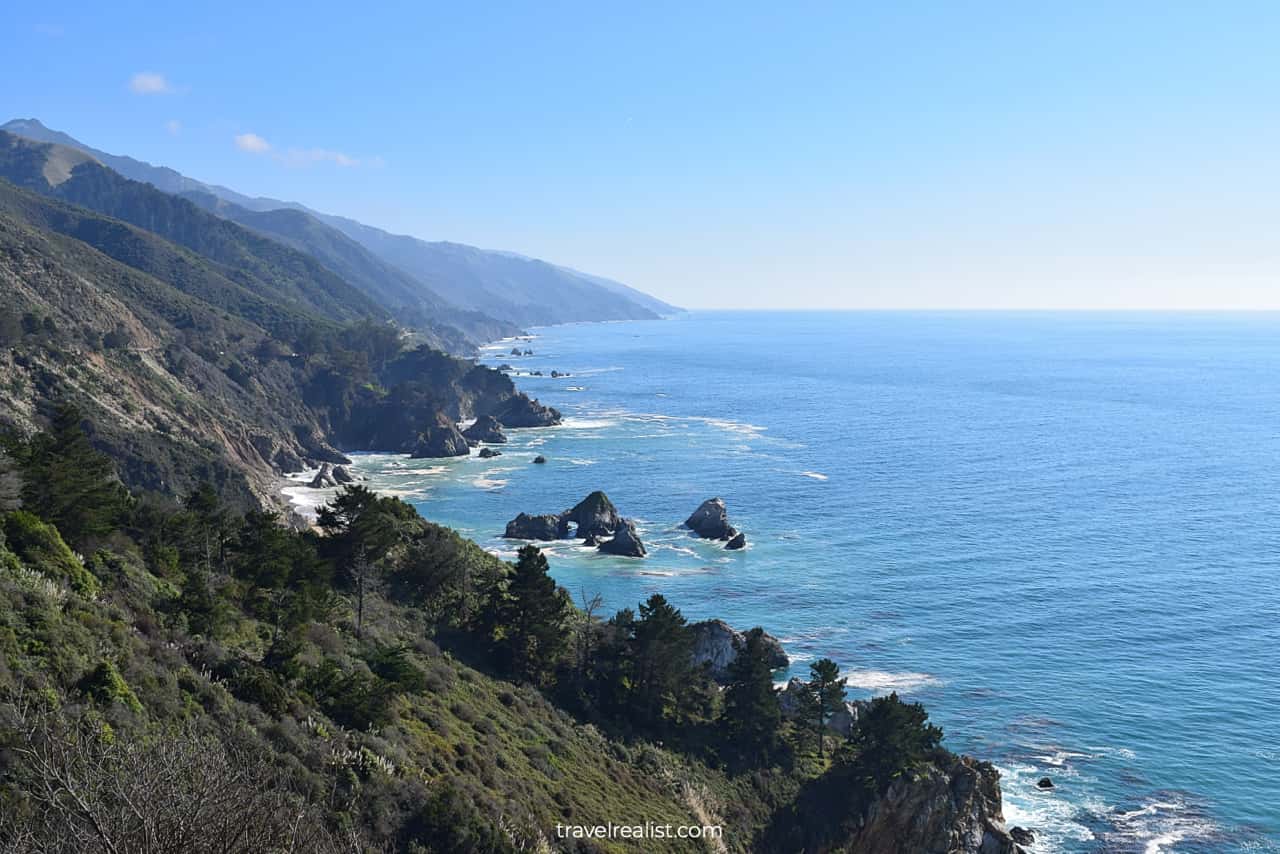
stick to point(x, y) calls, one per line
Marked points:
point(824, 695)
point(533, 617)
point(663, 662)
point(751, 715)
point(71, 484)
point(891, 738)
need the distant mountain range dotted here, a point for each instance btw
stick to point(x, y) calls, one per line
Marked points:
point(482, 293)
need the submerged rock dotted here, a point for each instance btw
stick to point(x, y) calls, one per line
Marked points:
point(539, 459)
point(711, 521)
point(737, 541)
point(1044, 783)
point(441, 439)
point(715, 643)
point(486, 429)
point(526, 527)
point(486, 453)
point(626, 542)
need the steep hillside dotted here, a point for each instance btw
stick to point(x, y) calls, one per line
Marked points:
point(190, 374)
point(278, 273)
point(512, 288)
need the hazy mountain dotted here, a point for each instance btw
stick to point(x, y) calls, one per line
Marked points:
point(284, 276)
point(502, 285)
point(412, 302)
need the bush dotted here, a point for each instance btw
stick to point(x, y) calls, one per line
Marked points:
point(39, 545)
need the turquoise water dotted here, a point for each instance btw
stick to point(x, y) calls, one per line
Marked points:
point(1059, 531)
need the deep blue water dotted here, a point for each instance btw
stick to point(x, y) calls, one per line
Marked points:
point(1061, 532)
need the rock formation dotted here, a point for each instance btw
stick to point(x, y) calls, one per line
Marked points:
point(625, 542)
point(539, 459)
point(441, 439)
point(526, 527)
point(711, 521)
point(341, 475)
point(519, 411)
point(713, 643)
point(486, 453)
point(324, 477)
point(594, 519)
point(486, 429)
point(737, 541)
point(953, 807)
point(594, 514)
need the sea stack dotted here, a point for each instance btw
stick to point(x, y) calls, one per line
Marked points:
point(486, 429)
point(711, 522)
point(625, 543)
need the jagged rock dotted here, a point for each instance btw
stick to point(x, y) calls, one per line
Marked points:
point(441, 439)
point(625, 542)
point(594, 514)
point(515, 351)
point(486, 453)
point(711, 521)
point(592, 540)
point(539, 459)
point(519, 411)
point(315, 447)
point(505, 368)
point(714, 643)
point(526, 527)
point(324, 477)
point(951, 806)
point(1044, 783)
point(486, 429)
point(737, 541)
point(1022, 835)
point(528, 352)
point(341, 475)
point(536, 374)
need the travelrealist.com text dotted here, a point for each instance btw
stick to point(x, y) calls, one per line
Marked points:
point(648, 830)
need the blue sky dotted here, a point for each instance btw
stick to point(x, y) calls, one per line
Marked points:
point(944, 155)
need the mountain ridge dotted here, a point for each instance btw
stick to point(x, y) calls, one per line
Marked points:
point(507, 286)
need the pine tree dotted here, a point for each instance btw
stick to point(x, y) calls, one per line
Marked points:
point(662, 661)
point(751, 715)
point(71, 484)
point(824, 695)
point(533, 616)
point(891, 738)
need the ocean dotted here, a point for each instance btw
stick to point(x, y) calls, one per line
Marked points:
point(1060, 532)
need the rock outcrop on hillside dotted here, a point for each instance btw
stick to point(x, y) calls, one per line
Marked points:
point(714, 644)
point(441, 439)
point(953, 808)
point(791, 704)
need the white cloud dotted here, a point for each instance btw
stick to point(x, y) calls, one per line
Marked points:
point(173, 126)
point(150, 83)
point(252, 143)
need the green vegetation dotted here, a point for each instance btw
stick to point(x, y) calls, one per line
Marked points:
point(384, 677)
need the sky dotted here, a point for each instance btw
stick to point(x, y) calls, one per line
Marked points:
point(755, 155)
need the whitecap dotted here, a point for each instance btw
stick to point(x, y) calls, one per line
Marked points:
point(884, 682)
point(813, 474)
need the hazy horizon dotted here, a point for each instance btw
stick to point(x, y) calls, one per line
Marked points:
point(832, 157)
